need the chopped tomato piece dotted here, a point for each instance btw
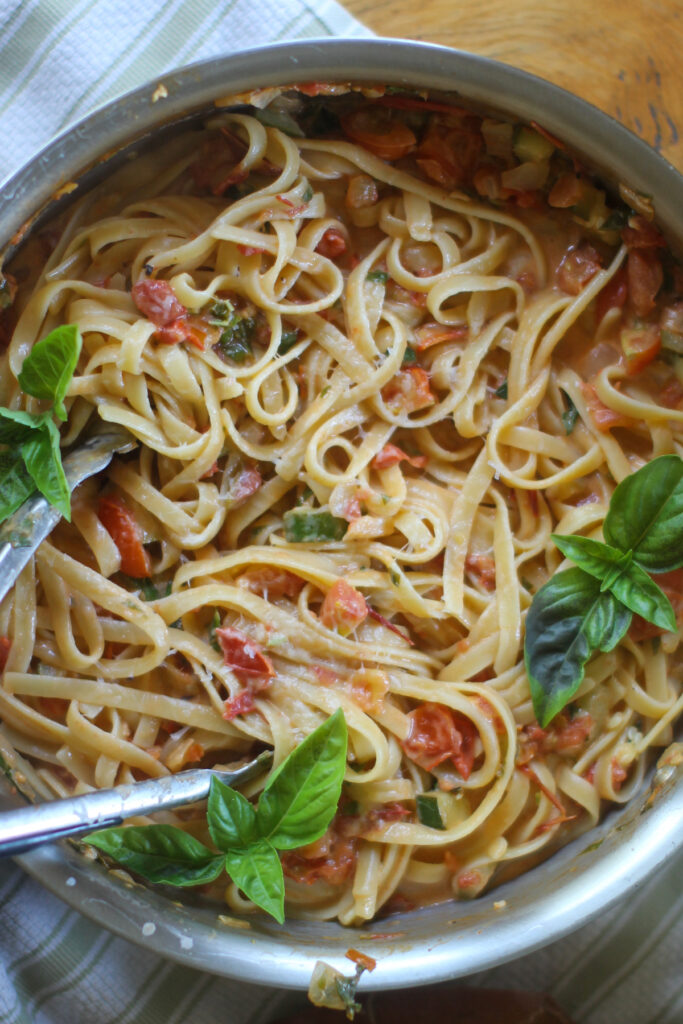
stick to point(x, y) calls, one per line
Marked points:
point(5, 644)
point(158, 302)
point(391, 455)
point(613, 295)
point(378, 130)
point(368, 688)
point(361, 192)
point(483, 569)
point(271, 582)
point(566, 192)
point(329, 859)
point(399, 294)
point(640, 346)
point(577, 268)
point(242, 654)
point(450, 150)
point(434, 334)
point(438, 734)
point(642, 234)
point(384, 815)
point(242, 704)
point(603, 417)
point(247, 483)
point(344, 608)
point(120, 523)
point(409, 391)
point(186, 328)
point(361, 959)
point(645, 278)
point(333, 243)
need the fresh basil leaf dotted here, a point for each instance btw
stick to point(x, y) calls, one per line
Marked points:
point(600, 560)
point(257, 871)
point(50, 365)
point(306, 526)
point(288, 339)
point(230, 816)
point(568, 620)
point(641, 595)
point(502, 391)
point(646, 515)
point(570, 416)
point(301, 796)
point(409, 356)
point(379, 276)
point(16, 425)
point(15, 483)
point(43, 461)
point(428, 812)
point(160, 853)
point(279, 118)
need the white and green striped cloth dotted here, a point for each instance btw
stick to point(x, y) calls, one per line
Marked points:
point(59, 59)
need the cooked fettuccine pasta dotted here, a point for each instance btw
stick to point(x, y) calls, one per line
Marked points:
point(370, 367)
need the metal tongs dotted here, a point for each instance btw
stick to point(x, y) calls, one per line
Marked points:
point(31, 826)
point(27, 528)
point(34, 825)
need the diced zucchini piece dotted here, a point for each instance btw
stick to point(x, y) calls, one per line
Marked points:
point(528, 145)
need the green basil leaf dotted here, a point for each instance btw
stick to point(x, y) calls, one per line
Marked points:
point(50, 365)
point(379, 276)
point(428, 812)
point(15, 483)
point(301, 796)
point(257, 871)
point(570, 416)
point(306, 526)
point(646, 515)
point(288, 339)
point(43, 461)
point(279, 118)
point(502, 391)
point(641, 595)
point(600, 560)
point(160, 853)
point(568, 620)
point(409, 356)
point(16, 425)
point(230, 816)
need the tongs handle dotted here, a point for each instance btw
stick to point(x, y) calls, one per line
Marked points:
point(27, 528)
point(31, 826)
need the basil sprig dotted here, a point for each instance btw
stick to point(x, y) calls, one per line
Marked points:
point(32, 457)
point(295, 808)
point(589, 608)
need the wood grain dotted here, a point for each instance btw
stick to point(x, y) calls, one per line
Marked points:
point(624, 56)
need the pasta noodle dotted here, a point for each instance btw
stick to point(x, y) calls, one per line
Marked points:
point(348, 360)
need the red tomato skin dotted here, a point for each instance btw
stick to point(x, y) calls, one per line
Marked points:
point(242, 654)
point(391, 455)
point(344, 608)
point(158, 302)
point(332, 244)
point(439, 734)
point(120, 523)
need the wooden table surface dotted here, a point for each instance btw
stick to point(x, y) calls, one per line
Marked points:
point(624, 56)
